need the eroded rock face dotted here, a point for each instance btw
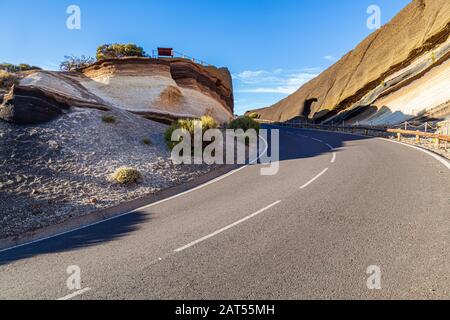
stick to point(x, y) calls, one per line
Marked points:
point(136, 84)
point(28, 105)
point(385, 71)
point(210, 80)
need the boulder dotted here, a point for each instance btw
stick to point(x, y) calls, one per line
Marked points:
point(30, 105)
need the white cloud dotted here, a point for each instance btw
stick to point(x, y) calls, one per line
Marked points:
point(278, 81)
point(249, 74)
point(331, 58)
point(281, 90)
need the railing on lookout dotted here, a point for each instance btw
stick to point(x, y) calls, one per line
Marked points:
point(171, 53)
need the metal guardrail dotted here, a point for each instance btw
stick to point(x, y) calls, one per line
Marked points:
point(370, 131)
point(419, 134)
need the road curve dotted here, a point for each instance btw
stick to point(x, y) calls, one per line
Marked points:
point(339, 204)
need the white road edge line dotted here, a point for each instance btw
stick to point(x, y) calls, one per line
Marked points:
point(144, 207)
point(438, 158)
point(75, 294)
point(442, 160)
point(334, 158)
point(226, 228)
point(314, 179)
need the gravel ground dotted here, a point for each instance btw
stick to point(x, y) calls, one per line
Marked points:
point(53, 172)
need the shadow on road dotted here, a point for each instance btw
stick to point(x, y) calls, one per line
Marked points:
point(293, 146)
point(94, 235)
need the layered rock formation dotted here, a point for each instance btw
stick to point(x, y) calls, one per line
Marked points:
point(399, 72)
point(138, 85)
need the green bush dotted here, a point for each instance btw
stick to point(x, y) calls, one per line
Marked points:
point(126, 175)
point(7, 80)
point(189, 125)
point(8, 67)
point(245, 123)
point(118, 50)
point(208, 122)
point(109, 119)
point(254, 115)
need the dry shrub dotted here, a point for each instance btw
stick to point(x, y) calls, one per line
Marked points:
point(126, 175)
point(171, 96)
point(7, 80)
point(109, 119)
point(207, 123)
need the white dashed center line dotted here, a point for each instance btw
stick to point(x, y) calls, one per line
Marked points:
point(314, 179)
point(226, 228)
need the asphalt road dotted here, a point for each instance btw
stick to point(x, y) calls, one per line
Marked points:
point(311, 231)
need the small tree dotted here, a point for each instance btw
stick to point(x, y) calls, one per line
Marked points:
point(27, 67)
point(72, 63)
point(8, 67)
point(117, 50)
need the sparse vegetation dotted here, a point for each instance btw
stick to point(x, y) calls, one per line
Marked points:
point(207, 123)
point(7, 80)
point(146, 141)
point(245, 123)
point(171, 96)
point(71, 63)
point(254, 115)
point(117, 50)
point(126, 175)
point(433, 57)
point(109, 119)
point(11, 68)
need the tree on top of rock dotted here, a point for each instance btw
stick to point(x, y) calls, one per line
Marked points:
point(8, 67)
point(117, 50)
point(72, 63)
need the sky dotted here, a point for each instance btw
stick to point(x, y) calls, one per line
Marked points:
point(271, 47)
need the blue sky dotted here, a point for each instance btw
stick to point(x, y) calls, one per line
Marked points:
point(271, 47)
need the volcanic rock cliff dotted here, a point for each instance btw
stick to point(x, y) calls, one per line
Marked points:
point(399, 72)
point(159, 89)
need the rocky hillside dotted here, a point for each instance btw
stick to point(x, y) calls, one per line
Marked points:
point(399, 72)
point(64, 134)
point(158, 89)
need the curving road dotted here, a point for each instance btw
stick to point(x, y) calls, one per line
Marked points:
point(339, 204)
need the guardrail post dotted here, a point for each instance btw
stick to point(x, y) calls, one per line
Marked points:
point(399, 136)
point(418, 139)
point(438, 143)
